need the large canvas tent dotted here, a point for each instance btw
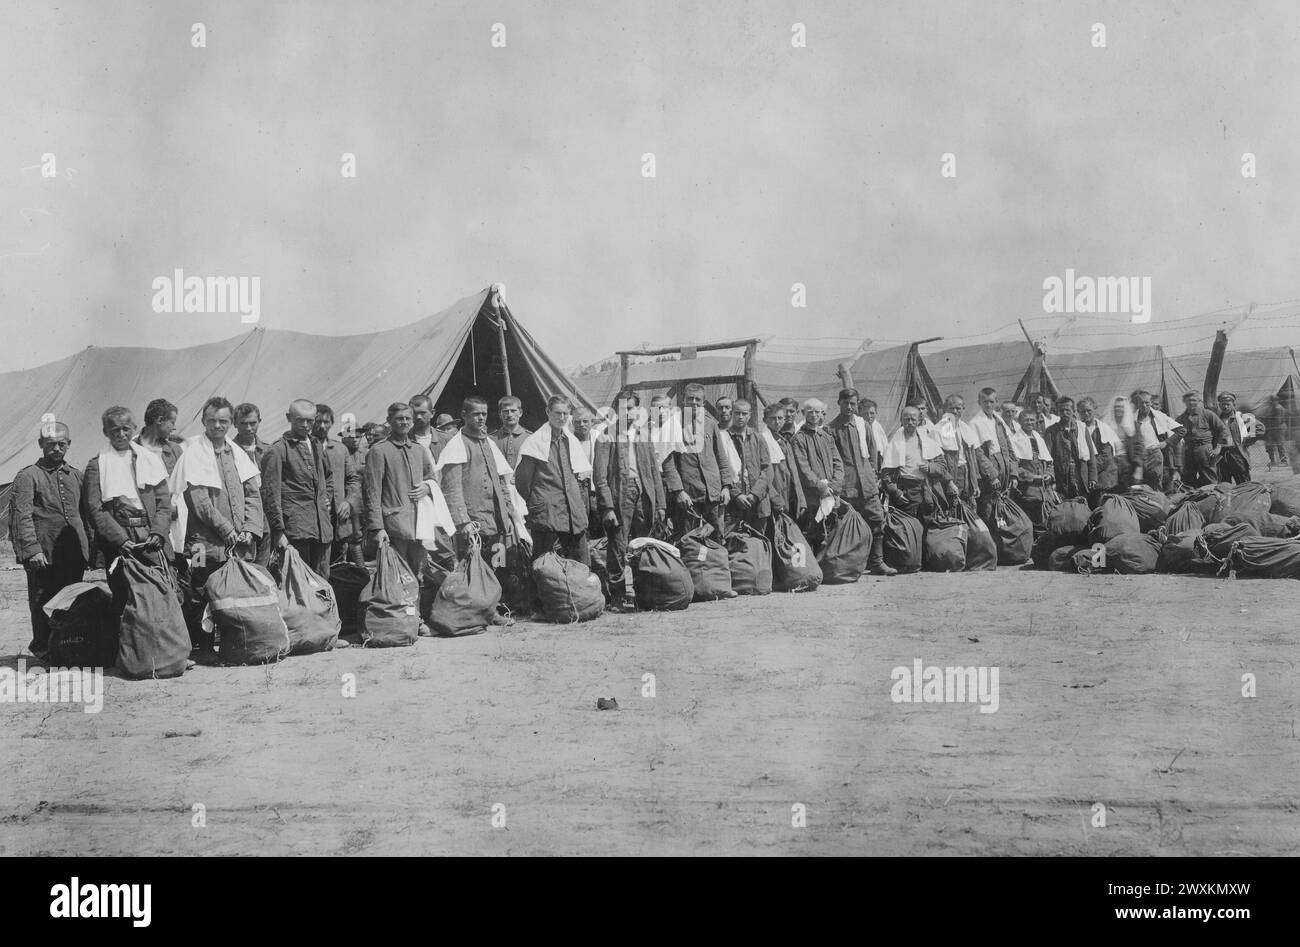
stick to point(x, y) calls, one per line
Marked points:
point(891, 376)
point(965, 370)
point(1102, 375)
point(449, 355)
point(1251, 376)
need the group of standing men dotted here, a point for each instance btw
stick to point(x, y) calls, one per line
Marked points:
point(1060, 447)
point(433, 487)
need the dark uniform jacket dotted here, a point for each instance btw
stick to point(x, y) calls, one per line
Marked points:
point(859, 472)
point(297, 495)
point(611, 472)
point(701, 469)
point(1073, 473)
point(554, 497)
point(392, 471)
point(45, 513)
point(475, 492)
point(786, 490)
point(510, 443)
point(345, 484)
point(755, 476)
point(817, 458)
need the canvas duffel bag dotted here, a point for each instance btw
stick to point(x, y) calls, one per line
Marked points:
point(568, 590)
point(244, 611)
point(844, 555)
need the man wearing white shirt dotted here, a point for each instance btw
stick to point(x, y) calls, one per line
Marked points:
point(1234, 462)
point(869, 411)
point(630, 495)
point(1147, 440)
point(997, 462)
point(1042, 403)
point(583, 424)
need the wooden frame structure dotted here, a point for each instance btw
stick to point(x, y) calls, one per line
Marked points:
point(746, 386)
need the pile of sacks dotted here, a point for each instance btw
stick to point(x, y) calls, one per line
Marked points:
point(254, 618)
point(957, 540)
point(703, 566)
point(1245, 529)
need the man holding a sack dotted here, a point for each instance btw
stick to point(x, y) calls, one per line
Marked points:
point(126, 498)
point(914, 468)
point(551, 475)
point(477, 481)
point(753, 470)
point(629, 488)
point(697, 471)
point(217, 491)
point(297, 491)
point(397, 469)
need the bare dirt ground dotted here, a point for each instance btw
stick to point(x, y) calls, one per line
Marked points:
point(1121, 690)
point(1124, 691)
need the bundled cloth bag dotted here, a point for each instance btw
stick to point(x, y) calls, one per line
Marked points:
point(1246, 499)
point(597, 553)
point(244, 613)
point(348, 579)
point(1185, 518)
point(660, 580)
point(389, 605)
point(1269, 525)
point(794, 568)
point(904, 541)
point(1067, 524)
point(308, 606)
point(1061, 559)
point(1265, 558)
point(468, 599)
point(1216, 539)
point(1089, 560)
point(569, 591)
point(749, 555)
point(945, 547)
point(1014, 533)
point(706, 559)
point(844, 555)
point(1115, 517)
point(83, 628)
point(1051, 500)
point(1151, 506)
point(1134, 553)
point(152, 639)
point(981, 547)
point(1286, 498)
point(1209, 500)
point(1178, 556)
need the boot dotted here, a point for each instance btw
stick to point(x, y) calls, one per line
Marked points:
point(876, 564)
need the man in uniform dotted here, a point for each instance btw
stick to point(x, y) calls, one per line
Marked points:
point(45, 526)
point(510, 436)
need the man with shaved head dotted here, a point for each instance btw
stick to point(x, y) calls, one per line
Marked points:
point(698, 475)
point(821, 471)
point(298, 492)
point(46, 529)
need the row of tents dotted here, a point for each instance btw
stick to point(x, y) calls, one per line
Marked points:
point(896, 375)
point(478, 346)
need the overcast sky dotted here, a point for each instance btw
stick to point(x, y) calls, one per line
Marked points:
point(522, 164)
